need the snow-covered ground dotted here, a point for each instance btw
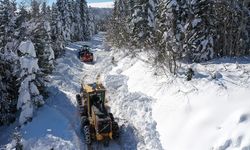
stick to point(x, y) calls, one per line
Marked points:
point(155, 112)
point(203, 114)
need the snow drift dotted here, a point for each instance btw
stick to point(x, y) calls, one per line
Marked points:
point(209, 112)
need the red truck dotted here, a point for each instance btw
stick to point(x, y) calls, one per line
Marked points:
point(85, 55)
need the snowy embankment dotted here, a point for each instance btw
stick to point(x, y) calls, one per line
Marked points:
point(203, 114)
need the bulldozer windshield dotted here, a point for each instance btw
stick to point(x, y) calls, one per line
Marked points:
point(98, 99)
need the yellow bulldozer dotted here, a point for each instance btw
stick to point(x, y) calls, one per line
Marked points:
point(97, 123)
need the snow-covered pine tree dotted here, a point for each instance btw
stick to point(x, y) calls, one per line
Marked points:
point(139, 24)
point(118, 32)
point(232, 23)
point(41, 36)
point(56, 32)
point(64, 16)
point(142, 23)
point(77, 25)
point(17, 139)
point(29, 96)
point(7, 22)
point(199, 31)
point(92, 24)
point(186, 29)
point(241, 34)
point(112, 26)
point(85, 19)
point(35, 8)
point(7, 92)
point(167, 49)
point(75, 21)
point(99, 19)
point(22, 21)
point(8, 60)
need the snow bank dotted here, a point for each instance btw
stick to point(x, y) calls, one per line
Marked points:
point(202, 114)
point(125, 105)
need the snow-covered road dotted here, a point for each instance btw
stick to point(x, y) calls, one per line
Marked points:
point(57, 124)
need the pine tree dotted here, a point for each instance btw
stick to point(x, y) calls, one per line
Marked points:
point(29, 96)
point(56, 32)
point(17, 137)
point(7, 22)
point(119, 25)
point(200, 31)
point(168, 43)
point(142, 22)
point(64, 16)
point(232, 23)
point(48, 29)
point(35, 8)
point(85, 19)
point(7, 62)
point(22, 22)
point(8, 87)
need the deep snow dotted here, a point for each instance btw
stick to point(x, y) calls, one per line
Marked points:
point(211, 112)
point(203, 114)
point(56, 125)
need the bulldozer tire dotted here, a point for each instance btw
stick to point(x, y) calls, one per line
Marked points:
point(115, 129)
point(78, 99)
point(84, 121)
point(87, 136)
point(111, 116)
point(106, 143)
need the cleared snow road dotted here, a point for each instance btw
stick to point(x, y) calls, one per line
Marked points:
point(57, 124)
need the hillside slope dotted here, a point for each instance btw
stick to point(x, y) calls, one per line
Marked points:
point(210, 112)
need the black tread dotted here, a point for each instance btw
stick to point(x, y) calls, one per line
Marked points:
point(87, 135)
point(115, 129)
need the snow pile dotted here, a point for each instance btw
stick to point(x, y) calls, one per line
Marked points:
point(209, 112)
point(133, 108)
point(136, 109)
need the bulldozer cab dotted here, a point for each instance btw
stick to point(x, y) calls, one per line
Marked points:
point(98, 100)
point(95, 97)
